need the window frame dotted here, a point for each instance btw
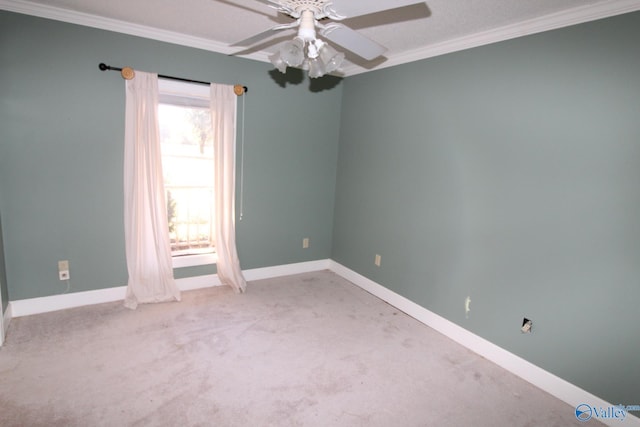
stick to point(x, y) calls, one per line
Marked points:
point(170, 92)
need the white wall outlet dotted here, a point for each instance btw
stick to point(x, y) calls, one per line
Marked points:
point(305, 243)
point(63, 270)
point(377, 260)
point(526, 326)
point(467, 306)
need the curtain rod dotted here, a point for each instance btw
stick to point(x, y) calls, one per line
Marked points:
point(238, 89)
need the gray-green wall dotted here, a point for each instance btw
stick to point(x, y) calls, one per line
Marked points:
point(509, 173)
point(61, 153)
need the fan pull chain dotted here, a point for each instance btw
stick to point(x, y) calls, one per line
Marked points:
point(242, 162)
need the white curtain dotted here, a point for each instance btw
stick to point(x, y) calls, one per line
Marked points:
point(148, 250)
point(223, 120)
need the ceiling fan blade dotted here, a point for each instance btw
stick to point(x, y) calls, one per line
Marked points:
point(255, 39)
point(353, 41)
point(351, 8)
point(265, 34)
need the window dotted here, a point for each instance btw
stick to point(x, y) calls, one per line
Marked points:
point(187, 163)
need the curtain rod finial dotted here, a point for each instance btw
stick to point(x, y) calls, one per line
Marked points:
point(127, 73)
point(103, 66)
point(239, 90)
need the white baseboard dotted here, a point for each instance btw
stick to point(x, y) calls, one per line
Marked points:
point(6, 319)
point(27, 307)
point(285, 270)
point(198, 282)
point(31, 306)
point(535, 375)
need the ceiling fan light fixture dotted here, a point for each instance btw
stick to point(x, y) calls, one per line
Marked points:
point(306, 51)
point(316, 68)
point(292, 52)
point(277, 62)
point(331, 58)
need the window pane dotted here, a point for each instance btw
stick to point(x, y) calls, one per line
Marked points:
point(187, 162)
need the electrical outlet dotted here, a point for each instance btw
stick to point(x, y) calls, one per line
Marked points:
point(377, 260)
point(305, 243)
point(467, 306)
point(526, 326)
point(63, 270)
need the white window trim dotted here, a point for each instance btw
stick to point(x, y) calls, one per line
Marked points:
point(192, 90)
point(195, 91)
point(194, 260)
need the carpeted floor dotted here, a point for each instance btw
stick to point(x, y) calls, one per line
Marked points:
point(304, 350)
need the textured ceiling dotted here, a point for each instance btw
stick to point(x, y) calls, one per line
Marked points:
point(409, 33)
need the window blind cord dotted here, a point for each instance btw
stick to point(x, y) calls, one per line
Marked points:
point(242, 162)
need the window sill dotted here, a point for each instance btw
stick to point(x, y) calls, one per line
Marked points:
point(194, 260)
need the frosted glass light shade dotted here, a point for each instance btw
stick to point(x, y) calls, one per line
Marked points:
point(331, 58)
point(292, 52)
point(277, 61)
point(316, 68)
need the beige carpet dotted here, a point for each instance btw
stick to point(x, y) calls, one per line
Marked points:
point(305, 350)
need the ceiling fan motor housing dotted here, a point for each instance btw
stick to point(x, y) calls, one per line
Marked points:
point(321, 8)
point(307, 29)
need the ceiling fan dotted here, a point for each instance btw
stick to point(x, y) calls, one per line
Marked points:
point(310, 52)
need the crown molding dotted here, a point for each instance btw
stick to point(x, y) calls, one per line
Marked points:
point(553, 21)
